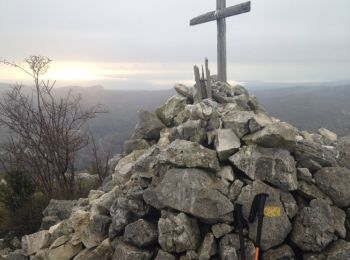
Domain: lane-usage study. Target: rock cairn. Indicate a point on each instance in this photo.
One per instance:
(172, 194)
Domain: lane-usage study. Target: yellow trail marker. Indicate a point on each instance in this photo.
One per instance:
(272, 212)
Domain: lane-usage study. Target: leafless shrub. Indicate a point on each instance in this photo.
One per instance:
(46, 131)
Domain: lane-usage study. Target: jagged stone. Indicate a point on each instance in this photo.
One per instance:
(102, 252)
(281, 253)
(221, 229)
(148, 127)
(60, 208)
(126, 210)
(208, 247)
(273, 165)
(124, 251)
(178, 233)
(96, 231)
(339, 250)
(171, 109)
(135, 144)
(102, 205)
(203, 110)
(193, 191)
(339, 222)
(314, 227)
(330, 136)
(164, 256)
(141, 233)
(289, 203)
(34, 242)
(184, 91)
(311, 191)
(275, 228)
(191, 130)
(335, 182)
(94, 194)
(303, 174)
(123, 170)
(314, 156)
(65, 251)
(238, 121)
(226, 143)
(344, 151)
(60, 241)
(226, 172)
(275, 135)
(229, 248)
(188, 154)
(78, 221)
(48, 222)
(235, 190)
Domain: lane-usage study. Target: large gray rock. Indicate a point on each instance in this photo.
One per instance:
(238, 121)
(135, 144)
(344, 151)
(339, 222)
(229, 248)
(184, 91)
(314, 156)
(221, 229)
(204, 110)
(311, 191)
(188, 154)
(168, 112)
(191, 130)
(34, 242)
(335, 182)
(226, 143)
(124, 251)
(178, 233)
(102, 252)
(275, 166)
(275, 227)
(60, 208)
(96, 231)
(141, 233)
(124, 211)
(193, 191)
(65, 251)
(148, 127)
(329, 136)
(208, 247)
(275, 135)
(313, 228)
(281, 253)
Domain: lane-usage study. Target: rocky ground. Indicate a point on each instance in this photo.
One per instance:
(172, 194)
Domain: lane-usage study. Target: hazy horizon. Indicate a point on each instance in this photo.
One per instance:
(102, 43)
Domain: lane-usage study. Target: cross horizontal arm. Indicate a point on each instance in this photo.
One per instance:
(229, 11)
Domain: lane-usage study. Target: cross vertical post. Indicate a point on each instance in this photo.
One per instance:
(220, 15)
(221, 44)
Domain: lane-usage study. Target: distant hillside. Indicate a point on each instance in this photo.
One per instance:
(310, 108)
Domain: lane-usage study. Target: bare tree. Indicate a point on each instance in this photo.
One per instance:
(100, 159)
(47, 130)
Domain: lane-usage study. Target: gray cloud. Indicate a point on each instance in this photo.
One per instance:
(289, 32)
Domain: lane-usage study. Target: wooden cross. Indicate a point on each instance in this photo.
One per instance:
(219, 15)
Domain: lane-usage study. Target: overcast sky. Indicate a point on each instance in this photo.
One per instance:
(145, 43)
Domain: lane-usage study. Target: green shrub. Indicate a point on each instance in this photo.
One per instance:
(16, 190)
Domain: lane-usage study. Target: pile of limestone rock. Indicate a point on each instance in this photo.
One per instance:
(172, 194)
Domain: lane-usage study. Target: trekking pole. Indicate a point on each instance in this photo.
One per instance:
(241, 223)
(257, 209)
